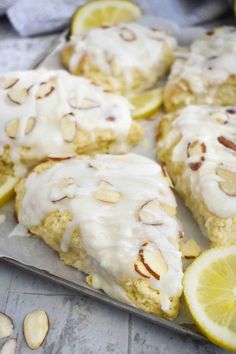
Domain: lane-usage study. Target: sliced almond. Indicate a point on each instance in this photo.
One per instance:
(88, 103)
(9, 347)
(36, 326)
(153, 260)
(219, 117)
(31, 122)
(44, 90)
(166, 175)
(190, 249)
(106, 193)
(227, 143)
(68, 128)
(228, 182)
(140, 269)
(127, 35)
(12, 128)
(6, 325)
(7, 83)
(63, 189)
(196, 148)
(62, 156)
(149, 213)
(18, 96)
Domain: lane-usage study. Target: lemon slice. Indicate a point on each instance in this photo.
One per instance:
(146, 103)
(103, 13)
(7, 184)
(210, 292)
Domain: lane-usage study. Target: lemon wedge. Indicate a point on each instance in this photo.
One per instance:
(146, 103)
(103, 13)
(7, 184)
(210, 293)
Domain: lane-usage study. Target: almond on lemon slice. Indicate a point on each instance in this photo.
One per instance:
(17, 95)
(228, 182)
(68, 128)
(153, 260)
(6, 326)
(36, 326)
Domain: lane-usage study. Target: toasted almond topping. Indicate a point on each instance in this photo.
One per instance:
(6, 325)
(220, 117)
(228, 182)
(12, 127)
(190, 249)
(153, 260)
(68, 128)
(149, 213)
(62, 156)
(166, 175)
(106, 193)
(196, 148)
(9, 347)
(18, 96)
(63, 189)
(31, 122)
(227, 143)
(45, 89)
(140, 269)
(36, 326)
(127, 35)
(88, 103)
(7, 83)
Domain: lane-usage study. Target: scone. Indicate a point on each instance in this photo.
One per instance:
(206, 74)
(112, 217)
(198, 145)
(52, 114)
(126, 58)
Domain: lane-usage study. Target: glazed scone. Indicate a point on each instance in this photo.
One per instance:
(112, 217)
(206, 74)
(126, 58)
(55, 114)
(198, 146)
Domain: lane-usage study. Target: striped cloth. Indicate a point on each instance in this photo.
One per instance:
(32, 17)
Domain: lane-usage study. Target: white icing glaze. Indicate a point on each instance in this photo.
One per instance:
(144, 50)
(201, 123)
(210, 61)
(112, 233)
(46, 137)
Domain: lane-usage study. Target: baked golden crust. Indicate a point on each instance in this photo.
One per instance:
(220, 230)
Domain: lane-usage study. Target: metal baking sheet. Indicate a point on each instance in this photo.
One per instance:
(32, 255)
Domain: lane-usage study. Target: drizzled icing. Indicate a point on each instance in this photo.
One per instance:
(213, 129)
(46, 97)
(111, 232)
(127, 46)
(210, 61)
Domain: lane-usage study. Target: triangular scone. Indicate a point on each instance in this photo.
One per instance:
(48, 113)
(198, 145)
(112, 217)
(124, 58)
(206, 73)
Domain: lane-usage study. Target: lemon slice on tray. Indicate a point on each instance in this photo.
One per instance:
(210, 293)
(146, 103)
(98, 13)
(7, 184)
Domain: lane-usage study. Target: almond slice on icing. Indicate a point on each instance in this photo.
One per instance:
(220, 117)
(12, 127)
(68, 128)
(153, 260)
(17, 95)
(30, 124)
(45, 89)
(36, 326)
(149, 213)
(6, 326)
(228, 182)
(141, 270)
(166, 175)
(106, 193)
(9, 347)
(7, 83)
(62, 156)
(196, 148)
(127, 35)
(227, 143)
(88, 103)
(61, 190)
(190, 249)
(96, 165)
